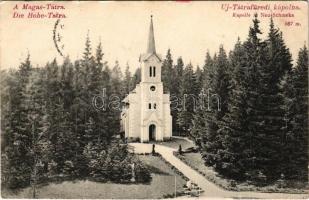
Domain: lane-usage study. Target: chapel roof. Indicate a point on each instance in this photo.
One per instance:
(151, 45)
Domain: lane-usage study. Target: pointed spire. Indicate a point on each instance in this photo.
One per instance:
(151, 47)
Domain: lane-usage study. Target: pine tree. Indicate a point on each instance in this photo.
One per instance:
(136, 78)
(167, 72)
(218, 98)
(116, 80)
(99, 56)
(255, 59)
(50, 123)
(189, 98)
(39, 134)
(18, 129)
(269, 113)
(127, 82)
(115, 96)
(207, 71)
(66, 83)
(199, 77)
(295, 159)
(85, 92)
(90, 130)
(239, 127)
(87, 53)
(279, 55)
(62, 140)
(109, 126)
(175, 95)
(179, 68)
(199, 122)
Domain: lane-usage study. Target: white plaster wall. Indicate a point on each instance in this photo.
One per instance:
(167, 117)
(151, 61)
(152, 116)
(139, 117)
(134, 111)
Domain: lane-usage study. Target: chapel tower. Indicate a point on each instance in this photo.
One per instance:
(147, 109)
(151, 61)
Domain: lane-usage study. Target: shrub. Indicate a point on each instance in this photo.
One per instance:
(115, 165)
(142, 173)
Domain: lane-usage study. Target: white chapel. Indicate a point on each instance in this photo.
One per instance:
(146, 113)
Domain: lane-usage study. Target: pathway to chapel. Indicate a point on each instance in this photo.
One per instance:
(210, 189)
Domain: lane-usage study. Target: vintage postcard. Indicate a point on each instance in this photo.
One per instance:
(152, 100)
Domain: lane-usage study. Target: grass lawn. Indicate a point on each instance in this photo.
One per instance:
(163, 182)
(195, 161)
(175, 142)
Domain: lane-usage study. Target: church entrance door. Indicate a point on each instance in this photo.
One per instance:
(152, 132)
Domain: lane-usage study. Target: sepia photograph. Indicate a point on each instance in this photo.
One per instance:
(154, 100)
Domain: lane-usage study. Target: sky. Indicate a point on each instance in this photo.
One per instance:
(189, 29)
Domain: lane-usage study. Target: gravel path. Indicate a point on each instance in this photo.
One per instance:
(210, 189)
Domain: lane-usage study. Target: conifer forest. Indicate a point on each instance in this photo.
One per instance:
(246, 110)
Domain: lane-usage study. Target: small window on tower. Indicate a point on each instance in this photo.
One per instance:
(150, 71)
(149, 105)
(154, 71)
(155, 106)
(152, 88)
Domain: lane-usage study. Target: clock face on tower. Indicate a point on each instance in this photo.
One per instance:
(152, 88)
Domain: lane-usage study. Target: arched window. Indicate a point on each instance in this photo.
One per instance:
(150, 71)
(149, 105)
(154, 71)
(154, 106)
